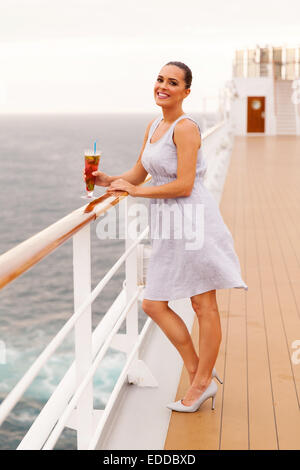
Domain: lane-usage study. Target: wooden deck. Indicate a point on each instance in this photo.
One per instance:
(258, 405)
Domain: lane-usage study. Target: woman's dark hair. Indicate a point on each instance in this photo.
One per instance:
(187, 72)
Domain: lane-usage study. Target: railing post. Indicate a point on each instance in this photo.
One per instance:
(131, 271)
(138, 372)
(83, 334)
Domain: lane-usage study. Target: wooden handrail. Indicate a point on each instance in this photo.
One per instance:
(19, 259)
(25, 255)
(213, 129)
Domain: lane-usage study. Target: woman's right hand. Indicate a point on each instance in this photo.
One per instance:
(102, 179)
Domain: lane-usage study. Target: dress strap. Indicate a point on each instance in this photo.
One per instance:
(184, 116)
(169, 133)
(187, 116)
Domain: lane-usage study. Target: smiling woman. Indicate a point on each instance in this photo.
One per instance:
(194, 254)
(177, 268)
(162, 92)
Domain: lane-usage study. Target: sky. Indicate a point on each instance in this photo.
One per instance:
(94, 56)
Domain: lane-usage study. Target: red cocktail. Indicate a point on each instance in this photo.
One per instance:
(91, 164)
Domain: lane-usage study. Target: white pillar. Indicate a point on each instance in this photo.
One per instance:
(131, 270)
(83, 334)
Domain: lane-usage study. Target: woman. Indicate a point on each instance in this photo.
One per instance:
(172, 154)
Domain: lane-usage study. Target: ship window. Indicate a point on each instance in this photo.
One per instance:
(256, 104)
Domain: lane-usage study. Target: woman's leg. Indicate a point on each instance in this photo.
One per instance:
(210, 336)
(175, 329)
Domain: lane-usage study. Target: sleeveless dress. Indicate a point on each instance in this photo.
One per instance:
(192, 248)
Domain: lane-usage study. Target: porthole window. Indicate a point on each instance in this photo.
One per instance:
(255, 104)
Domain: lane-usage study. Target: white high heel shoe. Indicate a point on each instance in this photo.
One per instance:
(209, 392)
(215, 374)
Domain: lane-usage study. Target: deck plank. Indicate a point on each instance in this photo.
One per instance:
(282, 324)
(261, 408)
(234, 431)
(258, 405)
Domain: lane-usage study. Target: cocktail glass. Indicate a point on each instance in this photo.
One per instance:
(91, 164)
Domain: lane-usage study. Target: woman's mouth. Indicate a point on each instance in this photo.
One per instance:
(162, 96)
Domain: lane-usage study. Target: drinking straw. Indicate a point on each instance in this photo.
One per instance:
(95, 147)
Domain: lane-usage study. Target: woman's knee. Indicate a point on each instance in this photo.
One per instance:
(206, 311)
(147, 306)
(205, 304)
(153, 307)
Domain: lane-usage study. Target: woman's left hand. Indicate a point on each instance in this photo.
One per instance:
(122, 185)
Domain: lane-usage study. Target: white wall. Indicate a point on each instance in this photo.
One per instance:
(297, 114)
(258, 86)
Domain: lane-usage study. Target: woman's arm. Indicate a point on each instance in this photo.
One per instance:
(188, 141)
(136, 174)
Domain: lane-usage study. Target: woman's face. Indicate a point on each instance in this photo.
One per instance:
(169, 88)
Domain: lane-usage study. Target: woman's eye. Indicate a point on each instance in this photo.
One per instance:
(172, 83)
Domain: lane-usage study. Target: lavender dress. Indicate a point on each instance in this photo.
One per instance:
(192, 248)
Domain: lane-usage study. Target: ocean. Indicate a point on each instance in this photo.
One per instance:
(41, 182)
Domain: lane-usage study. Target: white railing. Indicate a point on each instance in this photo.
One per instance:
(71, 404)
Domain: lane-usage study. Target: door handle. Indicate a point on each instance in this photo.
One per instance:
(263, 114)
